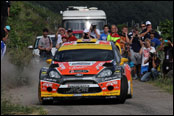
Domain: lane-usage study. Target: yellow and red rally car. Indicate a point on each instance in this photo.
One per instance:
(86, 69)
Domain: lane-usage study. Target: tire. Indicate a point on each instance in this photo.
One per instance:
(123, 91)
(41, 101)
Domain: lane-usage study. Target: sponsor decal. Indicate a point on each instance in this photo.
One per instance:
(99, 65)
(79, 75)
(61, 66)
(112, 83)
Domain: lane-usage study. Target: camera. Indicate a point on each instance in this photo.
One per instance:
(93, 27)
(152, 54)
(86, 36)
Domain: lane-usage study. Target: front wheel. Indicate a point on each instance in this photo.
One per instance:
(123, 90)
(41, 101)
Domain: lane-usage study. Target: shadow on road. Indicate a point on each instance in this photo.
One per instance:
(84, 102)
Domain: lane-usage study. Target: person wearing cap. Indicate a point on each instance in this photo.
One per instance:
(71, 37)
(4, 36)
(94, 32)
(146, 32)
(64, 39)
(113, 36)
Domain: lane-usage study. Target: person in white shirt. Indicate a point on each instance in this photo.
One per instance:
(94, 32)
(145, 52)
(60, 33)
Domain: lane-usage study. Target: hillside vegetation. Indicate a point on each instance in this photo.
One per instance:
(27, 21)
(119, 12)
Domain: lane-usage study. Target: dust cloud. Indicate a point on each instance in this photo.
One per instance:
(12, 77)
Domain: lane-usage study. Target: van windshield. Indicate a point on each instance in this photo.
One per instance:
(54, 40)
(82, 24)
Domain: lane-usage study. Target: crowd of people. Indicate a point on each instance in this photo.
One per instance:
(139, 46)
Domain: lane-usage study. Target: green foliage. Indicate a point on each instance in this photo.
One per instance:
(119, 12)
(7, 108)
(164, 83)
(27, 21)
(166, 28)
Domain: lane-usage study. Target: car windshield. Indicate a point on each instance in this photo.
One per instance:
(84, 55)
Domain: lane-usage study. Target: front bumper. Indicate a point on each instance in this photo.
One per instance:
(71, 87)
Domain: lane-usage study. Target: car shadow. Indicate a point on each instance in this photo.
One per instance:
(84, 102)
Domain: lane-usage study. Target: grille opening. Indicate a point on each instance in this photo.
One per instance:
(68, 90)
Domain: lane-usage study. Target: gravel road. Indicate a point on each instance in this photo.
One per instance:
(147, 100)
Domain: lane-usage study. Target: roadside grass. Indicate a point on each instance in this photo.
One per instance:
(164, 83)
(7, 108)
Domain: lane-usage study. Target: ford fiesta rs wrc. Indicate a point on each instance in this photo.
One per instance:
(86, 69)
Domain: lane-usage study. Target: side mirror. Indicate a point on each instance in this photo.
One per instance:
(49, 61)
(30, 47)
(118, 46)
(123, 60)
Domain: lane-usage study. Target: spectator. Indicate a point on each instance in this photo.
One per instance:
(86, 34)
(64, 39)
(146, 32)
(143, 27)
(154, 62)
(61, 32)
(94, 32)
(136, 44)
(4, 36)
(124, 37)
(71, 37)
(5, 12)
(127, 53)
(45, 45)
(156, 42)
(104, 35)
(145, 51)
(113, 36)
(167, 47)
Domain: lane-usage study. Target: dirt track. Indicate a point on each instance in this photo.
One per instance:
(147, 100)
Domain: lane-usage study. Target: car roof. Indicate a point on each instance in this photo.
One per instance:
(86, 44)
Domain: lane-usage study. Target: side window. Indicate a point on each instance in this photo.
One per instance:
(36, 43)
(54, 40)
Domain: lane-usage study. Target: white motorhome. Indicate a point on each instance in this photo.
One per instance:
(80, 18)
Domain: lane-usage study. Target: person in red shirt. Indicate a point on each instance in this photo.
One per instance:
(113, 36)
(71, 37)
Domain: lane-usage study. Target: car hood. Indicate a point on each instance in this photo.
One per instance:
(85, 67)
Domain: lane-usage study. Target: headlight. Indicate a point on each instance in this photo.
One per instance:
(54, 74)
(105, 73)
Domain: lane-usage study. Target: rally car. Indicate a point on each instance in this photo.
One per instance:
(86, 69)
